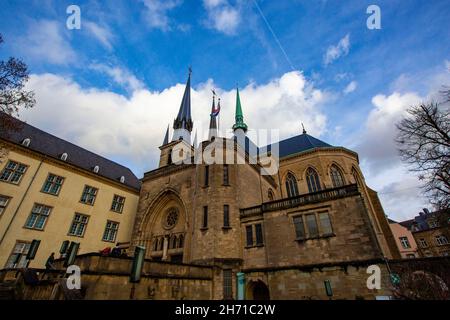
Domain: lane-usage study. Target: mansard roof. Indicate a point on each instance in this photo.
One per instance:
(49, 145)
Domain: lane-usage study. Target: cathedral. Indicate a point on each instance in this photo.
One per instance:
(231, 218)
(307, 230)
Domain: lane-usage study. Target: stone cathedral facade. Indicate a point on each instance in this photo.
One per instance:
(312, 227)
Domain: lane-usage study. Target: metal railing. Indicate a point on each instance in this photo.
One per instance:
(286, 203)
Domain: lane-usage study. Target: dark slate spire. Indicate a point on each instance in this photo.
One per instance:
(166, 137)
(182, 125)
(212, 121)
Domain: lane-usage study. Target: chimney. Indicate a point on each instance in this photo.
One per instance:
(426, 211)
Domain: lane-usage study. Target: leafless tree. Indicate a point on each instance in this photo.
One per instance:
(421, 285)
(13, 96)
(424, 144)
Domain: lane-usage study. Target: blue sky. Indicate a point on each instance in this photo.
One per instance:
(134, 55)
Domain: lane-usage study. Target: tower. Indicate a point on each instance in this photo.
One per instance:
(180, 145)
(239, 125)
(212, 121)
(182, 125)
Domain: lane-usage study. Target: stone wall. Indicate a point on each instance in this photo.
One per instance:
(348, 281)
(351, 238)
(107, 278)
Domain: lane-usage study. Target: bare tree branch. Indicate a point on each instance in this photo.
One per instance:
(423, 141)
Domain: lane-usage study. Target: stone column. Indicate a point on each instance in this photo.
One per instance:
(165, 248)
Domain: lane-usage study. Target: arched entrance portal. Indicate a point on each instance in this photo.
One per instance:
(163, 228)
(257, 290)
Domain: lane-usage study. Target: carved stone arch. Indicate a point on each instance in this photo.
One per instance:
(285, 175)
(358, 175)
(257, 290)
(165, 219)
(337, 164)
(158, 203)
(310, 166)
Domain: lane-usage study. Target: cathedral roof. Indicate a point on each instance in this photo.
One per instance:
(299, 143)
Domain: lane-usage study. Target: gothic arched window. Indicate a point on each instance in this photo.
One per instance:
(180, 241)
(291, 185)
(336, 176)
(173, 242)
(356, 177)
(312, 178)
(270, 195)
(161, 244)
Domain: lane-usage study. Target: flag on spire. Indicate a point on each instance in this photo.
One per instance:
(212, 121)
(215, 111)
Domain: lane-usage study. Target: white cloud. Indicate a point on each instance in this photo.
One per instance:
(130, 129)
(384, 171)
(157, 12)
(213, 3)
(340, 50)
(102, 34)
(44, 41)
(398, 188)
(350, 87)
(377, 144)
(222, 16)
(121, 76)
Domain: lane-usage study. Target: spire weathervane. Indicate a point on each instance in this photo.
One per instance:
(304, 131)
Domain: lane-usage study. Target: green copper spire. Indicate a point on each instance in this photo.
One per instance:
(239, 117)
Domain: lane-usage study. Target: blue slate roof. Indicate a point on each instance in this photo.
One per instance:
(54, 147)
(298, 144)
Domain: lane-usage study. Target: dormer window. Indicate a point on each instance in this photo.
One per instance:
(96, 169)
(26, 142)
(122, 179)
(64, 156)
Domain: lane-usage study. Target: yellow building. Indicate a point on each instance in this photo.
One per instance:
(54, 191)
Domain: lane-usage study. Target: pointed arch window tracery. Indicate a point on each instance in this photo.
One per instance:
(291, 185)
(336, 176)
(312, 179)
